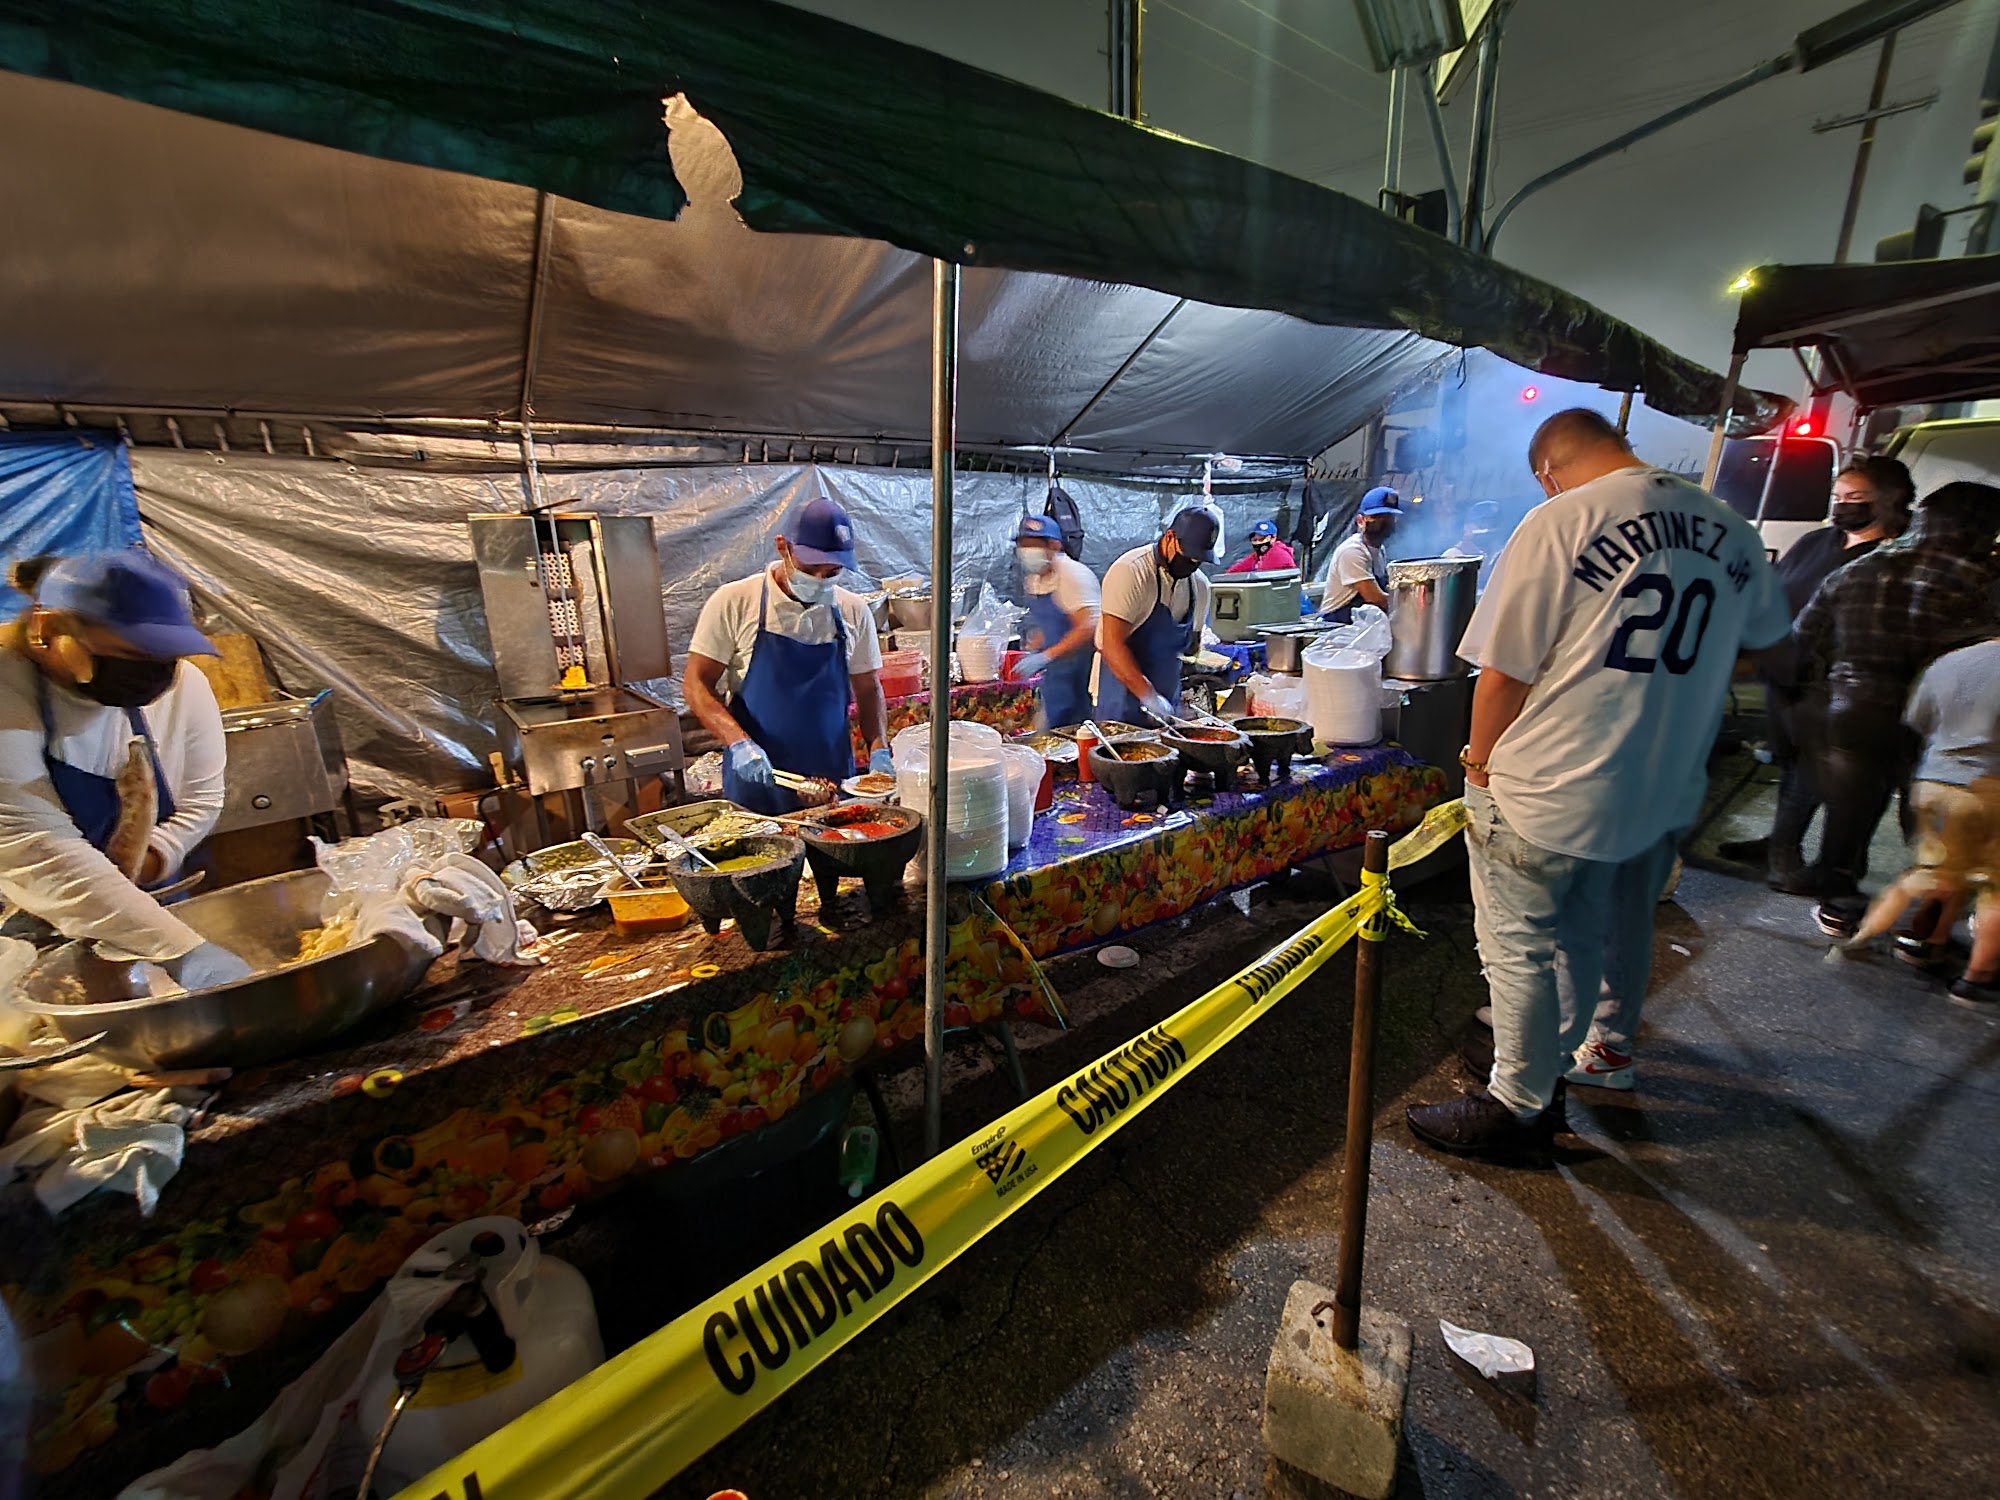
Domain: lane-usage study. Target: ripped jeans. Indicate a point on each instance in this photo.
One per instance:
(1568, 948)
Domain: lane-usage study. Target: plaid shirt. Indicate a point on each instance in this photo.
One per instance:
(1878, 622)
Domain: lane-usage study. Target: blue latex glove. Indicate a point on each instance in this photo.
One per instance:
(207, 967)
(1033, 664)
(1156, 705)
(748, 762)
(882, 762)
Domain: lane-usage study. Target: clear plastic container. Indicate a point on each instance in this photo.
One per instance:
(1025, 768)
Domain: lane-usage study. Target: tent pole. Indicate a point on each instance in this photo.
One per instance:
(1392, 150)
(1443, 146)
(1714, 464)
(944, 435)
(1624, 413)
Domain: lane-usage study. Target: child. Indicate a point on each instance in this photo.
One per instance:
(1956, 796)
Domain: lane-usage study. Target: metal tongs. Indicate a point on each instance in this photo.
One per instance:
(678, 845)
(1089, 727)
(623, 875)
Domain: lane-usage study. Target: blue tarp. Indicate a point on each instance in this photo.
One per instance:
(62, 492)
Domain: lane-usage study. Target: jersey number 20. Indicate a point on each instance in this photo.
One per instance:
(1680, 642)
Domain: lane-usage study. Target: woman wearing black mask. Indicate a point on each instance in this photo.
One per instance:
(111, 759)
(1871, 504)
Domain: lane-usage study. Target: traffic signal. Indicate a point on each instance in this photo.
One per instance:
(1924, 242)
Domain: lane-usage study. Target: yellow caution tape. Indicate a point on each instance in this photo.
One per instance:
(1440, 826)
(642, 1417)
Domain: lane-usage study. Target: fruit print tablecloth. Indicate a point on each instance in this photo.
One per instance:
(520, 1092)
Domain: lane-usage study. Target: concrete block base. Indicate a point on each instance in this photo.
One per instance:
(1336, 1415)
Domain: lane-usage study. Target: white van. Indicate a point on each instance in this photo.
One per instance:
(1784, 505)
(1940, 452)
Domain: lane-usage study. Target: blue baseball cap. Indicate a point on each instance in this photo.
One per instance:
(130, 593)
(1381, 501)
(1038, 529)
(1264, 528)
(821, 532)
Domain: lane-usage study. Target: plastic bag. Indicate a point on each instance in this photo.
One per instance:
(1488, 1353)
(1276, 695)
(364, 866)
(1368, 635)
(992, 615)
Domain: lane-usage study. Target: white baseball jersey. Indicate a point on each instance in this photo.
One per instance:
(1624, 602)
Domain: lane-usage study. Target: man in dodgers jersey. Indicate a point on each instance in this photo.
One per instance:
(1606, 642)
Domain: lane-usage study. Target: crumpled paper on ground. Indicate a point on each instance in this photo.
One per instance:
(131, 1142)
(1488, 1353)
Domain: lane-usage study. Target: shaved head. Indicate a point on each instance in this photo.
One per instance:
(1573, 435)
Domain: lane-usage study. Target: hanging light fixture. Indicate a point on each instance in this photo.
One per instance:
(1404, 33)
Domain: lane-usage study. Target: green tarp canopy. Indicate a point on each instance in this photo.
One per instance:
(838, 131)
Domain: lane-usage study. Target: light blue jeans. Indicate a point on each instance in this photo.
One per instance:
(1561, 938)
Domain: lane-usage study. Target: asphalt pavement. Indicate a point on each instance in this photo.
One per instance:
(1772, 1271)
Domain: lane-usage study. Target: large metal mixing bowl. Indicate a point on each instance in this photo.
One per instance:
(285, 1009)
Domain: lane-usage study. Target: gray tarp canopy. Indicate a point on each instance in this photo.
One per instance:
(154, 259)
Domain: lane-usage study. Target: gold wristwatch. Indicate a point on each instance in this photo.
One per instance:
(1477, 767)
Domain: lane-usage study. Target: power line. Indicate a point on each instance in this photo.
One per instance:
(1235, 41)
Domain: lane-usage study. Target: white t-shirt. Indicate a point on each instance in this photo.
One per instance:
(1625, 603)
(1074, 586)
(1354, 560)
(46, 868)
(726, 630)
(1135, 583)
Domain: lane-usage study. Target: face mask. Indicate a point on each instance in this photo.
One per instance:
(1262, 544)
(808, 589)
(1182, 567)
(1033, 560)
(1853, 515)
(121, 683)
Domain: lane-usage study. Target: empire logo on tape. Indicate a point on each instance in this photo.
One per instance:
(643, 1416)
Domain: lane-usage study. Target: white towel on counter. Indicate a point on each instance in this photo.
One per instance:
(131, 1142)
(471, 898)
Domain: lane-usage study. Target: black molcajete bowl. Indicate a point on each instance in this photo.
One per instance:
(753, 895)
(878, 863)
(1273, 743)
(1138, 785)
(1218, 757)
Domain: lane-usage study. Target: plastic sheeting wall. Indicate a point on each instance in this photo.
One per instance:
(62, 492)
(361, 579)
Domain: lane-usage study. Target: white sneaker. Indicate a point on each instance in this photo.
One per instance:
(1597, 1066)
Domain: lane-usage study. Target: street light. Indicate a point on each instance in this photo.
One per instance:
(1406, 33)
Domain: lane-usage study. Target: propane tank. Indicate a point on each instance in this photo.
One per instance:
(524, 1327)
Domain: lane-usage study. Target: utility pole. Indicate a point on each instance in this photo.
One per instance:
(1865, 149)
(1126, 20)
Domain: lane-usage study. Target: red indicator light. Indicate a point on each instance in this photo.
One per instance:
(1530, 392)
(1802, 428)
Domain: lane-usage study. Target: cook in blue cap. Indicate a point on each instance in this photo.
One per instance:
(1061, 629)
(1267, 554)
(1155, 604)
(1359, 570)
(777, 658)
(111, 759)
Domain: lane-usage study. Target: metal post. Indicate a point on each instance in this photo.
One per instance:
(1360, 1109)
(944, 440)
(1447, 178)
(1714, 464)
(1864, 150)
(1392, 153)
(1126, 19)
(1479, 153)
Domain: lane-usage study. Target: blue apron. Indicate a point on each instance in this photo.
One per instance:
(91, 800)
(1158, 642)
(793, 701)
(1066, 680)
